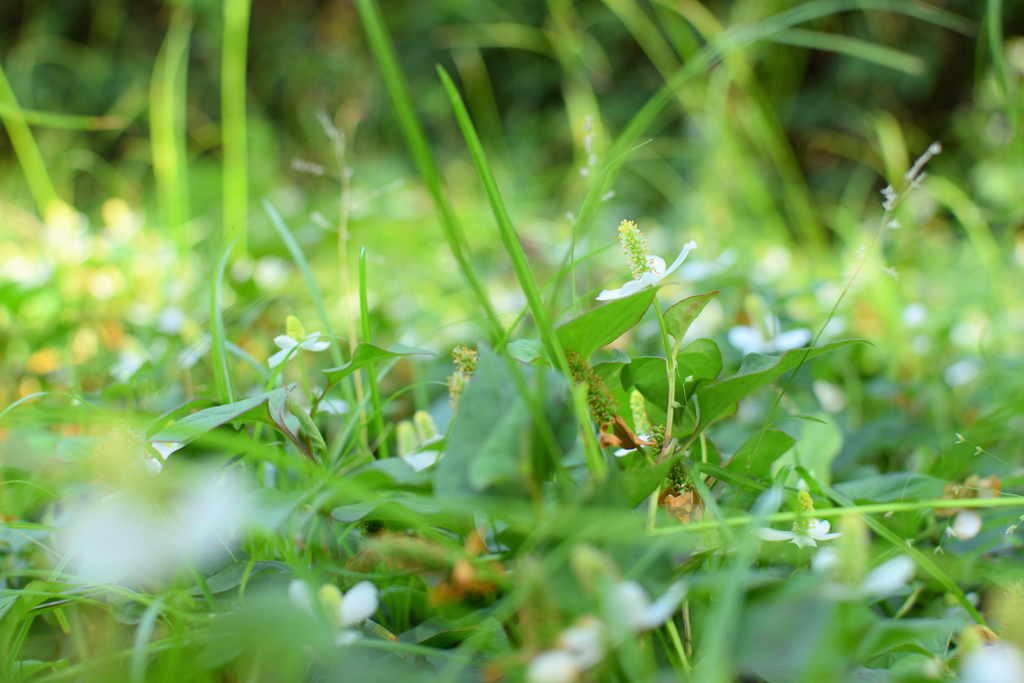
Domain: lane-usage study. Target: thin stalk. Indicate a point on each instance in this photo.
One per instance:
(371, 370)
(419, 149)
(670, 364)
(673, 634)
(233, 122)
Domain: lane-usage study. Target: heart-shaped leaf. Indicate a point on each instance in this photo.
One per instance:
(604, 324)
(758, 452)
(269, 408)
(701, 358)
(756, 371)
(680, 316)
(367, 354)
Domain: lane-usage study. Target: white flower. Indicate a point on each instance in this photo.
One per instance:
(649, 279)
(584, 640)
(966, 525)
(348, 609)
(751, 340)
(998, 663)
(882, 581)
(422, 459)
(817, 530)
(301, 596)
(554, 666)
(288, 345)
(640, 613)
(358, 604)
(165, 448)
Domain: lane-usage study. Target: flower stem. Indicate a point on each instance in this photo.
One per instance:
(305, 378)
(673, 633)
(670, 363)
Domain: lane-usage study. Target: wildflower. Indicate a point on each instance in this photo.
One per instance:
(965, 526)
(647, 270)
(296, 338)
(805, 532)
(640, 613)
(882, 581)
(414, 439)
(553, 666)
(751, 340)
(993, 663)
(350, 609)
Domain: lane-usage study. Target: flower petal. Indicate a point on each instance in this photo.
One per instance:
(768, 534)
(747, 339)
(622, 292)
(315, 346)
(966, 525)
(165, 448)
(792, 339)
(421, 459)
(657, 264)
(278, 358)
(818, 526)
(358, 604)
(585, 640)
(889, 577)
(632, 601)
(687, 248)
(553, 666)
(803, 540)
(662, 609)
(285, 342)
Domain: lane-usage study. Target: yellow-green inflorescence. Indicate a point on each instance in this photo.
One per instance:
(603, 406)
(641, 423)
(657, 435)
(294, 329)
(634, 246)
(806, 504)
(465, 365)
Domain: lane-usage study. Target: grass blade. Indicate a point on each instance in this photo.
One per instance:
(167, 121)
(508, 232)
(25, 148)
(416, 140)
(371, 370)
(853, 47)
(233, 124)
(221, 372)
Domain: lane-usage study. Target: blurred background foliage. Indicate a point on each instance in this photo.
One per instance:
(771, 160)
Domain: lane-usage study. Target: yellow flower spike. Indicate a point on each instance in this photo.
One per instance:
(641, 423)
(634, 246)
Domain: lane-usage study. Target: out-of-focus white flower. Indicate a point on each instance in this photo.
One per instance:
(127, 536)
(170, 320)
(914, 315)
(751, 340)
(817, 530)
(553, 666)
(997, 663)
(300, 595)
(965, 526)
(640, 613)
(648, 270)
(882, 581)
(962, 372)
(165, 448)
(585, 640)
(128, 363)
(349, 609)
(271, 273)
(831, 397)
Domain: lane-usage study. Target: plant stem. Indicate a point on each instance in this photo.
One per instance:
(670, 364)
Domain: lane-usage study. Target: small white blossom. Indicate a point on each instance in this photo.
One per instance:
(651, 278)
(289, 345)
(996, 663)
(750, 339)
(553, 666)
(817, 530)
(640, 613)
(965, 526)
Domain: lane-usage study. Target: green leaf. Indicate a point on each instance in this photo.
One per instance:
(770, 446)
(367, 354)
(892, 486)
(27, 668)
(387, 507)
(736, 479)
(604, 324)
(641, 482)
(78, 448)
(527, 351)
(218, 338)
(680, 316)
(494, 423)
(693, 562)
(756, 371)
(701, 358)
(269, 408)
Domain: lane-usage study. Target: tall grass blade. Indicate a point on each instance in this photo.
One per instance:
(508, 232)
(233, 124)
(416, 140)
(167, 122)
(32, 164)
(221, 371)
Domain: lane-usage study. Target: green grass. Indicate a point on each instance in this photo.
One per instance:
(169, 517)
